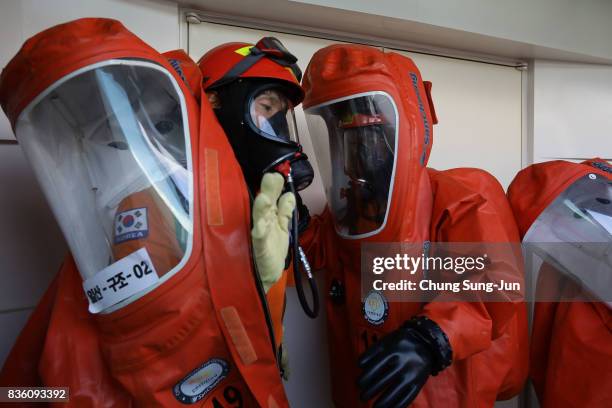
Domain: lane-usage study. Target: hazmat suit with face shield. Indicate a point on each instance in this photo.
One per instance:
(564, 214)
(371, 119)
(159, 303)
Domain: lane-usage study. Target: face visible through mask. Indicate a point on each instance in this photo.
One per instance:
(272, 113)
(367, 155)
(368, 163)
(258, 119)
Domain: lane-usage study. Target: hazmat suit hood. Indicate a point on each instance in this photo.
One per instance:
(572, 313)
(386, 94)
(534, 188)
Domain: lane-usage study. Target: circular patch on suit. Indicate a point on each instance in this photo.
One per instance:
(375, 308)
(128, 220)
(201, 381)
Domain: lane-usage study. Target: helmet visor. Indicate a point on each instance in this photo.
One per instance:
(574, 234)
(270, 114)
(109, 145)
(355, 140)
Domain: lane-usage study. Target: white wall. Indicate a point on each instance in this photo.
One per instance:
(565, 30)
(574, 26)
(479, 115)
(572, 115)
(31, 244)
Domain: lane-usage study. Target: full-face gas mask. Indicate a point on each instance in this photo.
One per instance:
(258, 88)
(263, 133)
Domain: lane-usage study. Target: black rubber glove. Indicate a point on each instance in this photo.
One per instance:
(398, 366)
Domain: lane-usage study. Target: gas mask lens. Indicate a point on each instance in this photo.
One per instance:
(271, 115)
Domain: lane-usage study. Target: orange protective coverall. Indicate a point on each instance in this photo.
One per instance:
(571, 342)
(488, 340)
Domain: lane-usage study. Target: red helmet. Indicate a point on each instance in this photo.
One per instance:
(266, 59)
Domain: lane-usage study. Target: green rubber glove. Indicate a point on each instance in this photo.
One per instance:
(270, 232)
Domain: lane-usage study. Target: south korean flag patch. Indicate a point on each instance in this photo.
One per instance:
(131, 224)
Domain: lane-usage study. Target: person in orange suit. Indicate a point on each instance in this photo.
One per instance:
(159, 302)
(371, 119)
(254, 89)
(563, 211)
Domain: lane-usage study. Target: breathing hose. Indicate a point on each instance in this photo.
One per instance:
(300, 257)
